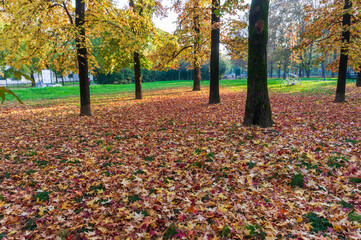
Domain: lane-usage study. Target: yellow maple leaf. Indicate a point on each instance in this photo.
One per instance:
(91, 203)
(247, 232)
(309, 226)
(41, 211)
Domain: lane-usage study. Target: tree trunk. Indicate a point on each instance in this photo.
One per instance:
(82, 56)
(358, 80)
(342, 70)
(33, 84)
(334, 59)
(285, 70)
(323, 68)
(197, 79)
(197, 65)
(137, 76)
(258, 109)
(279, 72)
(62, 79)
(214, 81)
(271, 70)
(309, 62)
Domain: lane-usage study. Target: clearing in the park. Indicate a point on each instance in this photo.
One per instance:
(172, 166)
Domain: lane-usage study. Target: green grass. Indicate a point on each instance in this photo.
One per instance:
(72, 91)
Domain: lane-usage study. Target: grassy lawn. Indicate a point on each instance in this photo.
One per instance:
(50, 93)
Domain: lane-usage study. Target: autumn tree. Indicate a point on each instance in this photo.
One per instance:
(47, 31)
(334, 27)
(128, 38)
(214, 67)
(258, 109)
(82, 55)
(193, 32)
(342, 70)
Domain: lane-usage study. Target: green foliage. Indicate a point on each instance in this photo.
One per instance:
(319, 224)
(336, 162)
(355, 180)
(251, 165)
(346, 204)
(170, 232)
(256, 232)
(30, 225)
(133, 198)
(354, 217)
(297, 181)
(4, 90)
(226, 232)
(41, 196)
(97, 188)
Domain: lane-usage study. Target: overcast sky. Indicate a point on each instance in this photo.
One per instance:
(167, 24)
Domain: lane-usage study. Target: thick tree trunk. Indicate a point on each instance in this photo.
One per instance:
(62, 79)
(342, 70)
(82, 56)
(258, 109)
(214, 81)
(279, 72)
(197, 79)
(358, 80)
(137, 76)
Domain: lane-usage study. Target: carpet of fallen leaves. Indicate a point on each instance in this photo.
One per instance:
(172, 166)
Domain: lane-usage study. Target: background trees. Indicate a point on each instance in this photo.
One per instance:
(193, 32)
(38, 35)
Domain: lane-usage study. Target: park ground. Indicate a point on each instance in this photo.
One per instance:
(171, 166)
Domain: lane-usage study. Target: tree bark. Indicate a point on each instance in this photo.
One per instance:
(62, 79)
(197, 79)
(258, 109)
(323, 68)
(285, 67)
(33, 84)
(342, 70)
(82, 56)
(334, 58)
(358, 80)
(137, 76)
(197, 66)
(214, 81)
(137, 65)
(271, 70)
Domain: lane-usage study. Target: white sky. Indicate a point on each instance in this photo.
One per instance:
(167, 24)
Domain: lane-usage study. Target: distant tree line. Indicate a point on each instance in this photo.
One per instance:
(126, 75)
